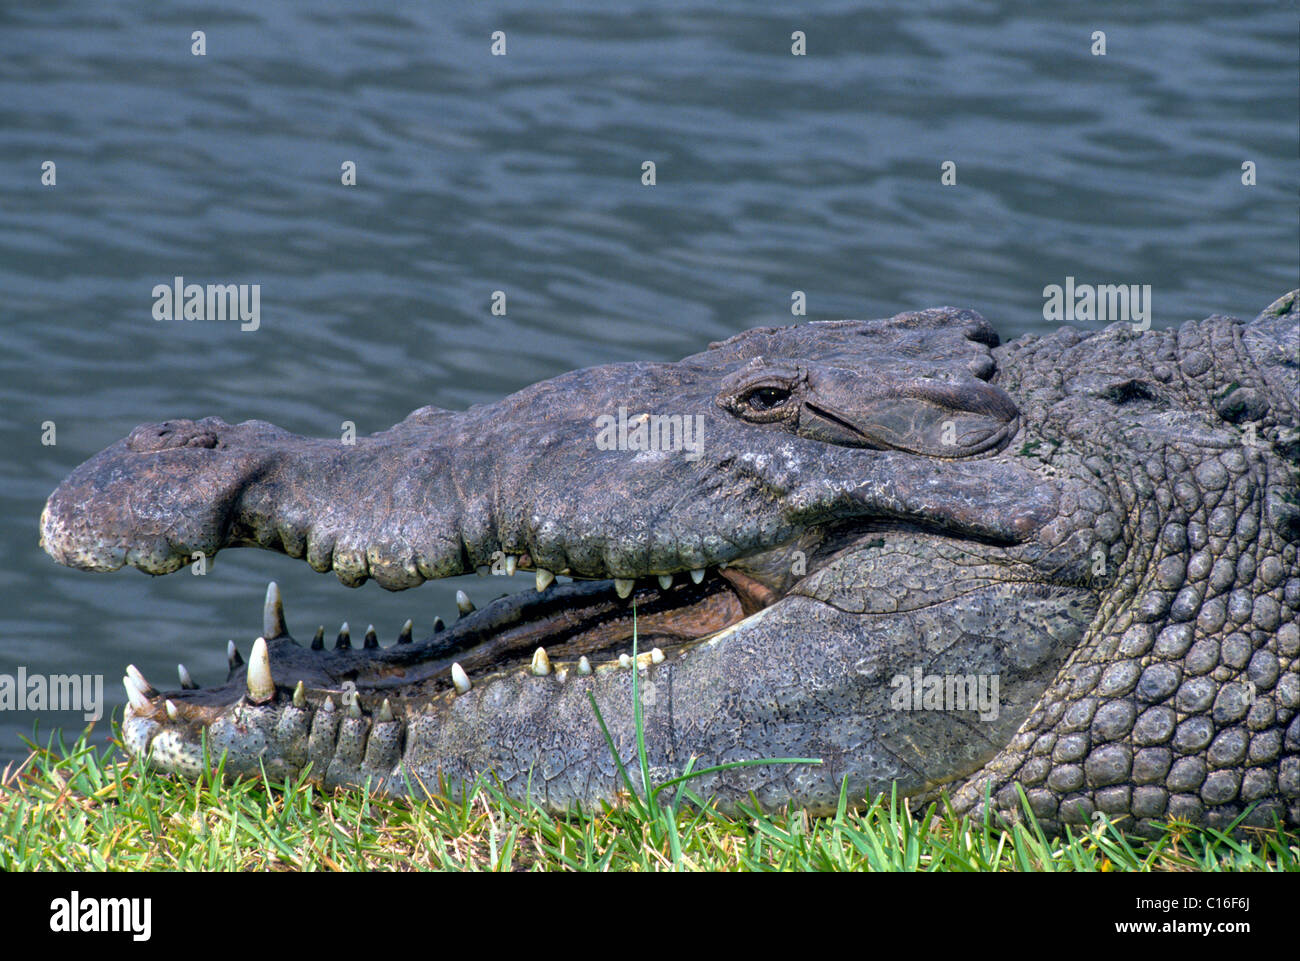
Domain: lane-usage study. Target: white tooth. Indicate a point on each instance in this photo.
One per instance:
(722, 565)
(584, 665)
(562, 675)
(385, 712)
(171, 710)
(665, 581)
(656, 656)
(232, 655)
(541, 662)
(544, 579)
(463, 603)
(299, 695)
(187, 682)
(135, 696)
(643, 661)
(512, 565)
(697, 575)
(354, 705)
(459, 678)
(135, 675)
(624, 661)
(623, 586)
(260, 686)
(273, 613)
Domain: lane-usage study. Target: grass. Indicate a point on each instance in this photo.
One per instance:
(84, 808)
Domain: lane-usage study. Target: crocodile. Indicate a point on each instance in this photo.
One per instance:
(1057, 574)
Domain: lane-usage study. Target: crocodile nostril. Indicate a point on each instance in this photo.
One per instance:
(982, 366)
(169, 435)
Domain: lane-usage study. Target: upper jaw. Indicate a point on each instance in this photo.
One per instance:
(442, 492)
(401, 509)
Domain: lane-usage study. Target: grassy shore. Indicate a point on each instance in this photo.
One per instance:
(80, 807)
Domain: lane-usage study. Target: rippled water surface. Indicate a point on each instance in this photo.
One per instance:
(522, 173)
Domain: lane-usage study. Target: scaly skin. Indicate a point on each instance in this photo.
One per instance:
(1084, 518)
(1182, 700)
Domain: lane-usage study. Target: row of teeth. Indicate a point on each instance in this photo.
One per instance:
(623, 585)
(541, 667)
(261, 688)
(343, 641)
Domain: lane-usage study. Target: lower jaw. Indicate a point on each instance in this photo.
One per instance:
(509, 716)
(199, 726)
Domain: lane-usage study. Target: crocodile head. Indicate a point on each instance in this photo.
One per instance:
(840, 541)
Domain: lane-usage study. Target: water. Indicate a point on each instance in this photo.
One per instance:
(522, 173)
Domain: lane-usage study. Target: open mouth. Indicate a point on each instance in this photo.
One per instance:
(590, 621)
(581, 627)
(570, 626)
(758, 648)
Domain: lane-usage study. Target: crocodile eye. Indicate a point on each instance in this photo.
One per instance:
(763, 393)
(765, 398)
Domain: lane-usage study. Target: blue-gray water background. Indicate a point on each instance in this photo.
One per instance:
(522, 173)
